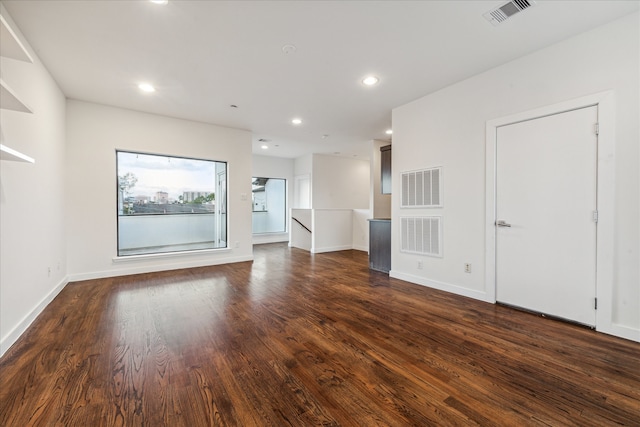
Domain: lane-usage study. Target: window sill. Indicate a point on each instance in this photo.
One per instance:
(168, 255)
(267, 233)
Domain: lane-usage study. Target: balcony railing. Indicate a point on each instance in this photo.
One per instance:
(148, 234)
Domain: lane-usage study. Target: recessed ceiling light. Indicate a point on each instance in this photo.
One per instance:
(296, 121)
(159, 1)
(370, 80)
(146, 87)
(288, 48)
(388, 131)
(264, 147)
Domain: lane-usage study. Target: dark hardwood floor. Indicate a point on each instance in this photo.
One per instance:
(295, 339)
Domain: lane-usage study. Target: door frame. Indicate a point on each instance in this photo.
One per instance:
(222, 207)
(605, 198)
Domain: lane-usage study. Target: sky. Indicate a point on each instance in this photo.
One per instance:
(169, 174)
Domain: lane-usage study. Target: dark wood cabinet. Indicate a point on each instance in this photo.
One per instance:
(385, 169)
(380, 244)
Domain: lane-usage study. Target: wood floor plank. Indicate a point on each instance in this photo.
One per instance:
(295, 339)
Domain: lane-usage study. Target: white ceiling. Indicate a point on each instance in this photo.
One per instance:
(203, 56)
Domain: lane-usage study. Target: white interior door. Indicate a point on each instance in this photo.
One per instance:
(545, 202)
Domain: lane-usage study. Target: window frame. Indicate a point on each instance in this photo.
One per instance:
(223, 203)
(285, 207)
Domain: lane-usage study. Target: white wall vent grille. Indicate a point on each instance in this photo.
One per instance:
(507, 10)
(422, 189)
(421, 235)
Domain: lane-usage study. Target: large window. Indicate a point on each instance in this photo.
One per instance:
(269, 199)
(170, 204)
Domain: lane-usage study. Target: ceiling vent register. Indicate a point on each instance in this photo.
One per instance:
(507, 10)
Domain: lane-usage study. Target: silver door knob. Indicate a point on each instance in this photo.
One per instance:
(502, 223)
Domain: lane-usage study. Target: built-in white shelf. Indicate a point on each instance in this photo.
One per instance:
(12, 47)
(10, 44)
(10, 154)
(10, 101)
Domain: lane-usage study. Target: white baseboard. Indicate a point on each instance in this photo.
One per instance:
(331, 249)
(454, 289)
(614, 329)
(339, 248)
(259, 239)
(157, 267)
(13, 335)
(621, 331)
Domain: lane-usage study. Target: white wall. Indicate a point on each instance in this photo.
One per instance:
(332, 230)
(447, 129)
(340, 194)
(31, 197)
(300, 237)
(303, 165)
(360, 226)
(339, 183)
(94, 132)
(303, 171)
(275, 167)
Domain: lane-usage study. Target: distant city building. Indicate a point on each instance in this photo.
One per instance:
(162, 197)
(142, 199)
(190, 196)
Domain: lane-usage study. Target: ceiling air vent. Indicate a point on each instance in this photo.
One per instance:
(507, 10)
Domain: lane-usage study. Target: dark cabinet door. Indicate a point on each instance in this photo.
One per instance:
(380, 245)
(385, 166)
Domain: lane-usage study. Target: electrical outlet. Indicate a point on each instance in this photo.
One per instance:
(48, 271)
(237, 244)
(419, 265)
(467, 268)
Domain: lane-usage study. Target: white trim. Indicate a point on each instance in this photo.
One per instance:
(261, 238)
(13, 335)
(623, 331)
(332, 209)
(165, 255)
(362, 248)
(331, 249)
(10, 154)
(447, 287)
(606, 202)
(150, 268)
(605, 269)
